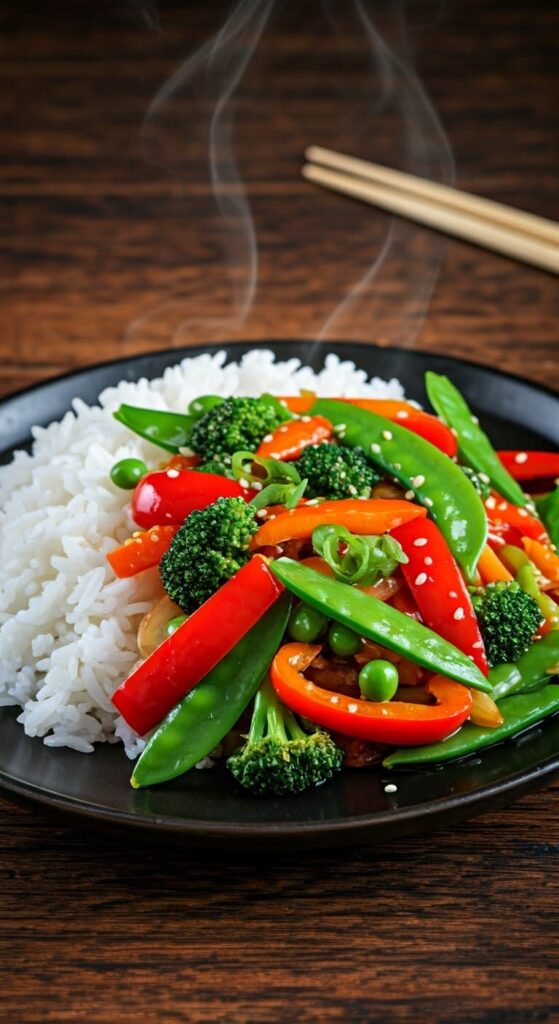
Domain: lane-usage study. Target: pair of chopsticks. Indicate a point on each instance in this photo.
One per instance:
(514, 233)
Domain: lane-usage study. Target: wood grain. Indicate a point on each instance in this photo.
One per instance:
(106, 254)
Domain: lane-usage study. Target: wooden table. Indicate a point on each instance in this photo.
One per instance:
(107, 254)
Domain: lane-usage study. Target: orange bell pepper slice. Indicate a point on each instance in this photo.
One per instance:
(142, 550)
(396, 722)
(543, 558)
(490, 567)
(287, 441)
(368, 517)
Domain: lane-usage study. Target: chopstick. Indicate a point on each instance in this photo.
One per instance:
(515, 233)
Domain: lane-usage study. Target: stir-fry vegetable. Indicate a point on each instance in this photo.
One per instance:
(335, 472)
(548, 508)
(438, 483)
(532, 670)
(356, 559)
(169, 496)
(530, 465)
(169, 430)
(372, 516)
(290, 439)
(141, 551)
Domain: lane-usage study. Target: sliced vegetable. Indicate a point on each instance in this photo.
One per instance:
(142, 550)
(200, 721)
(530, 465)
(490, 567)
(367, 516)
(169, 430)
(437, 481)
(484, 711)
(437, 585)
(532, 670)
(181, 661)
(152, 630)
(473, 443)
(502, 513)
(526, 576)
(382, 722)
(378, 621)
(356, 559)
(287, 441)
(169, 496)
(276, 483)
(548, 509)
(519, 713)
(543, 558)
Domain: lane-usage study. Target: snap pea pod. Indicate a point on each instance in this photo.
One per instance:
(534, 668)
(526, 577)
(169, 430)
(378, 621)
(473, 443)
(519, 713)
(200, 721)
(438, 483)
(548, 509)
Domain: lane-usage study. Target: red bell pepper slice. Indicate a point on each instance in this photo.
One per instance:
(288, 440)
(501, 513)
(181, 661)
(394, 722)
(141, 551)
(530, 465)
(438, 587)
(170, 495)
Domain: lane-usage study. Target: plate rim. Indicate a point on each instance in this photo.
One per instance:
(421, 814)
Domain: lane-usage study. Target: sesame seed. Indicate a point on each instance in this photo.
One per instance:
(522, 512)
(427, 502)
(309, 687)
(502, 506)
(261, 514)
(314, 501)
(352, 489)
(421, 579)
(454, 431)
(452, 593)
(268, 437)
(339, 428)
(397, 465)
(283, 402)
(282, 430)
(491, 503)
(390, 788)
(428, 560)
(459, 614)
(128, 541)
(352, 708)
(420, 542)
(474, 419)
(402, 414)
(173, 473)
(521, 457)
(243, 482)
(417, 481)
(334, 700)
(484, 478)
(256, 485)
(409, 495)
(387, 434)
(478, 645)
(305, 419)
(375, 448)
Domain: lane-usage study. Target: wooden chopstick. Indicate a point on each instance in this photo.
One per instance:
(514, 233)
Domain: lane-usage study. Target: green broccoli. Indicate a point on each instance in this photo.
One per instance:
(508, 619)
(237, 424)
(334, 472)
(479, 480)
(214, 466)
(279, 757)
(208, 549)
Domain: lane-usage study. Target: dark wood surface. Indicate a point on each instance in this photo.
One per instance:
(106, 253)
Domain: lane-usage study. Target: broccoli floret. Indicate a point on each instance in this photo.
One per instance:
(279, 757)
(208, 549)
(237, 424)
(334, 472)
(479, 481)
(508, 619)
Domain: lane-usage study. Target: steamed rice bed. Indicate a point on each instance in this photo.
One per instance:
(67, 627)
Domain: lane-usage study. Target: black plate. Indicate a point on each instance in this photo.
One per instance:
(205, 807)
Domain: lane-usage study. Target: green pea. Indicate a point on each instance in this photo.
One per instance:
(174, 624)
(201, 405)
(127, 472)
(306, 624)
(378, 680)
(343, 641)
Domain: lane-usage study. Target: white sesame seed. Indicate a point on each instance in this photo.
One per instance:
(375, 448)
(352, 489)
(305, 419)
(474, 419)
(244, 482)
(340, 428)
(454, 431)
(397, 465)
(402, 414)
(418, 480)
(261, 513)
(427, 502)
(282, 430)
(352, 708)
(309, 687)
(421, 579)
(314, 501)
(334, 700)
(521, 457)
(459, 614)
(268, 437)
(390, 788)
(409, 495)
(387, 434)
(256, 485)
(428, 560)
(522, 512)
(452, 593)
(478, 645)
(491, 503)
(173, 473)
(420, 542)
(502, 506)
(484, 478)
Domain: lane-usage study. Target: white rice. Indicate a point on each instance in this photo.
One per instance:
(67, 626)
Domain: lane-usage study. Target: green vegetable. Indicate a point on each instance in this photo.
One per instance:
(539, 663)
(378, 621)
(343, 642)
(279, 757)
(203, 404)
(200, 721)
(437, 481)
(174, 624)
(519, 712)
(215, 467)
(209, 548)
(306, 625)
(127, 472)
(508, 618)
(479, 481)
(234, 425)
(169, 430)
(364, 560)
(334, 472)
(280, 482)
(548, 509)
(378, 680)
(527, 578)
(473, 443)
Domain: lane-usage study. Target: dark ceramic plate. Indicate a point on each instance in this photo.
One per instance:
(205, 807)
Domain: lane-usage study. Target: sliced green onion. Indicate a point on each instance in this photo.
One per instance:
(356, 559)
